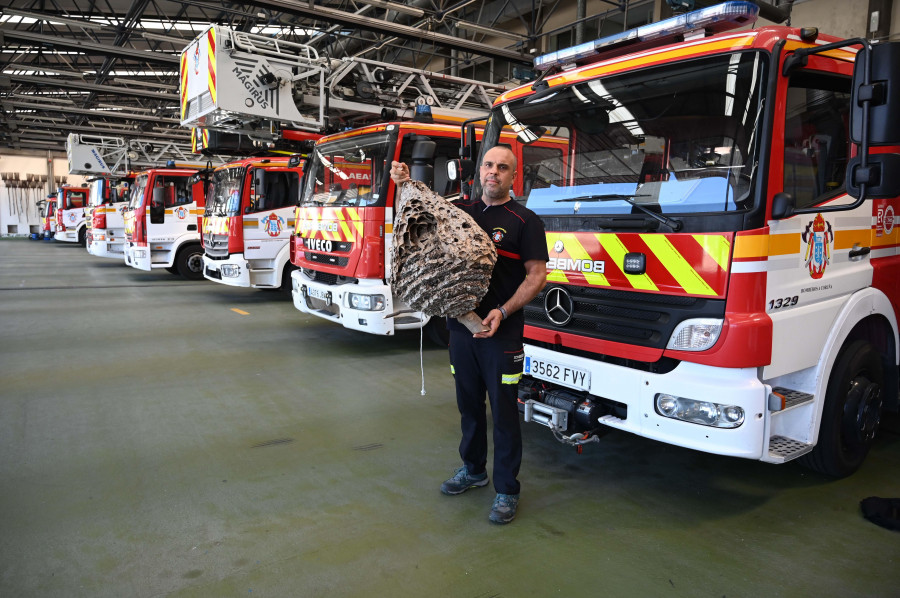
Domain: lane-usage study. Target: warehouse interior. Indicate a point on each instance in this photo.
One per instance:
(170, 437)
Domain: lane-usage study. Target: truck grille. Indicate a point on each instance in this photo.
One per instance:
(327, 278)
(643, 319)
(215, 245)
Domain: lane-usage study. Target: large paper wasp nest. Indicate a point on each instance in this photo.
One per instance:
(441, 259)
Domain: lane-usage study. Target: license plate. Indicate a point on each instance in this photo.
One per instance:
(317, 293)
(557, 372)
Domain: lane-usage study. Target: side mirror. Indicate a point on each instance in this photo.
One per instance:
(782, 206)
(881, 176)
(877, 100)
(422, 166)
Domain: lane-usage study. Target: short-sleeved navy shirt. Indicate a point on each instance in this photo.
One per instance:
(518, 236)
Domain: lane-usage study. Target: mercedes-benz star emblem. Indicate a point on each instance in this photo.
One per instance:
(559, 306)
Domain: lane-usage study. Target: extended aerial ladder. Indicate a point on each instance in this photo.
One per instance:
(260, 86)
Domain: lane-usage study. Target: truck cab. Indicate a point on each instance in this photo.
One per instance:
(107, 200)
(162, 222)
(722, 258)
(249, 221)
(70, 215)
(345, 220)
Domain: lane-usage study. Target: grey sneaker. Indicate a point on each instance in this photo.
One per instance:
(504, 509)
(462, 481)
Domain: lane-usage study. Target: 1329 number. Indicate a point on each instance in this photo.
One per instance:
(785, 302)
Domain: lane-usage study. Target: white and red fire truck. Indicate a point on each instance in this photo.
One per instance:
(70, 221)
(107, 200)
(345, 220)
(48, 218)
(249, 222)
(162, 222)
(723, 249)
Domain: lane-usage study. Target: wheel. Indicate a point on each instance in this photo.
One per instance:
(82, 237)
(189, 262)
(852, 411)
(286, 277)
(172, 269)
(436, 328)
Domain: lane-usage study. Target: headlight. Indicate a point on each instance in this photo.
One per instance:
(366, 302)
(699, 412)
(230, 271)
(695, 335)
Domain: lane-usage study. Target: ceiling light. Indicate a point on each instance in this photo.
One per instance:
(53, 19)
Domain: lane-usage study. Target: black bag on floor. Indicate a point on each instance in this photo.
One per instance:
(882, 511)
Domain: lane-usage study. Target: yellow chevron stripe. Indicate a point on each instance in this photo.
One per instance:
(613, 245)
(212, 65)
(677, 266)
(577, 252)
(717, 247)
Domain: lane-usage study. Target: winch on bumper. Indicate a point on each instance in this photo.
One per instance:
(715, 410)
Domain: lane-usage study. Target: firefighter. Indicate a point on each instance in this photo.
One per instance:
(491, 361)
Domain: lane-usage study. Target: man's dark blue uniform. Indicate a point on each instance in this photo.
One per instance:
(494, 365)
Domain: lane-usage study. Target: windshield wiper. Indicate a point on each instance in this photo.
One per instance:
(675, 225)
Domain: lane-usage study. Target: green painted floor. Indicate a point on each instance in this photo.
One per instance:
(155, 442)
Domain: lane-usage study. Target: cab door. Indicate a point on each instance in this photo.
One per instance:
(818, 258)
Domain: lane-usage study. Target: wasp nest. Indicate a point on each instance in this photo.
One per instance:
(441, 260)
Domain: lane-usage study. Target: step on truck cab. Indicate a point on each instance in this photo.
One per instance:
(70, 219)
(722, 239)
(249, 221)
(162, 222)
(108, 199)
(345, 221)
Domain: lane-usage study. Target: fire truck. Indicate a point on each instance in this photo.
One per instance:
(162, 222)
(345, 220)
(109, 163)
(107, 201)
(249, 221)
(70, 220)
(47, 209)
(722, 238)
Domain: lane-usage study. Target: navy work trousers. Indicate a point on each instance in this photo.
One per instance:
(493, 366)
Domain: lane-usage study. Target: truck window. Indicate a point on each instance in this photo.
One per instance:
(541, 167)
(281, 190)
(178, 189)
(447, 149)
(816, 140)
(77, 199)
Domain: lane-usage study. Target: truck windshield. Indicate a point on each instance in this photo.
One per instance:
(137, 192)
(674, 140)
(349, 172)
(224, 195)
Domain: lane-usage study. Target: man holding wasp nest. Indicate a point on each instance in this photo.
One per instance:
(491, 361)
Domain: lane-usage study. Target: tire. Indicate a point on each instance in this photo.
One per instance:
(286, 278)
(852, 411)
(436, 328)
(172, 269)
(189, 262)
(82, 237)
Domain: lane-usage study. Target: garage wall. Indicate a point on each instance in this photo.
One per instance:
(18, 210)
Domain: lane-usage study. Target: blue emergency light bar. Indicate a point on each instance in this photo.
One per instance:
(714, 19)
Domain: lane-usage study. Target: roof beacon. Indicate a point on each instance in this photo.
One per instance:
(713, 19)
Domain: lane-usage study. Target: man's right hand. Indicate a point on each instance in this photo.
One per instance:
(399, 172)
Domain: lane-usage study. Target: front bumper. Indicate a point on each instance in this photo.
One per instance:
(332, 302)
(219, 270)
(637, 390)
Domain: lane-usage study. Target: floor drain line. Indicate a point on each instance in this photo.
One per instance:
(274, 442)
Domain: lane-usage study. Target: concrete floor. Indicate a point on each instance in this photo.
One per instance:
(154, 441)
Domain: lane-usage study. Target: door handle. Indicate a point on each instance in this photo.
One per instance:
(859, 252)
